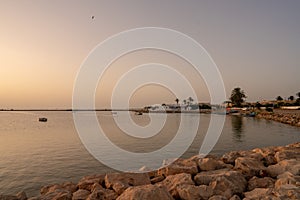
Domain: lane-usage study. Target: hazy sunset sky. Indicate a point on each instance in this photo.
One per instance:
(255, 45)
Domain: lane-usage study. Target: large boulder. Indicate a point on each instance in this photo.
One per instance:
(173, 181)
(192, 192)
(145, 192)
(250, 167)
(188, 166)
(119, 182)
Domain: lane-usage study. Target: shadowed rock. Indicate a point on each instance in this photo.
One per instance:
(145, 192)
(173, 181)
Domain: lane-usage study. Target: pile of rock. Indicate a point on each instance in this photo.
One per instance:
(262, 173)
(286, 118)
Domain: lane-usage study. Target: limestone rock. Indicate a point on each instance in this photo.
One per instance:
(292, 166)
(179, 166)
(235, 197)
(80, 194)
(209, 164)
(230, 157)
(67, 187)
(217, 197)
(192, 192)
(258, 193)
(21, 195)
(86, 182)
(145, 192)
(222, 186)
(157, 179)
(100, 193)
(256, 182)
(173, 181)
(249, 166)
(119, 182)
(8, 197)
(288, 191)
(288, 154)
(236, 179)
(204, 178)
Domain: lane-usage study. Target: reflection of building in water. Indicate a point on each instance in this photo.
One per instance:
(237, 127)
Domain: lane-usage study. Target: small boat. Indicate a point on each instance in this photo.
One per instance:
(43, 119)
(138, 113)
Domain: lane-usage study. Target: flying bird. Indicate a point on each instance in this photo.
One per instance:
(93, 17)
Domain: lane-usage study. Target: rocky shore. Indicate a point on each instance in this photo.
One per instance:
(286, 117)
(271, 173)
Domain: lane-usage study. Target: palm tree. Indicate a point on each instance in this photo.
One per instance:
(191, 100)
(237, 96)
(184, 101)
(291, 98)
(177, 100)
(279, 98)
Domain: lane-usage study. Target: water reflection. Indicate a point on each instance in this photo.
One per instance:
(237, 128)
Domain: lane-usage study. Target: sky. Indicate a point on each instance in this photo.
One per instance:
(43, 44)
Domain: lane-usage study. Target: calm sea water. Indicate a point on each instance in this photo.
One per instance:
(34, 154)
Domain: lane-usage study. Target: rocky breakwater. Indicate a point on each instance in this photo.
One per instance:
(271, 173)
(283, 117)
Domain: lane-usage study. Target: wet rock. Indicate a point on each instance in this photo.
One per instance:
(179, 166)
(192, 192)
(250, 166)
(256, 182)
(209, 164)
(119, 182)
(173, 181)
(145, 192)
(88, 181)
(80, 194)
